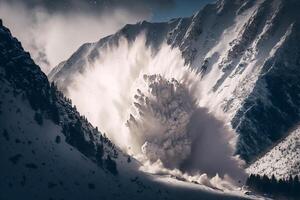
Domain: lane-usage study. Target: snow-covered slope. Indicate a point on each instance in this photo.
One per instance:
(49, 151)
(283, 160)
(246, 54)
(38, 163)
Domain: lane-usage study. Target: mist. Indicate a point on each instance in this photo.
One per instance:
(52, 36)
(148, 103)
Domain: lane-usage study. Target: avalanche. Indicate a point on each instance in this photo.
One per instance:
(147, 102)
(47, 154)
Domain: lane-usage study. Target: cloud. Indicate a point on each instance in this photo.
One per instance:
(95, 7)
(52, 33)
(52, 30)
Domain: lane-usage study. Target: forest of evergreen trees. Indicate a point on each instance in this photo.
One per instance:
(285, 188)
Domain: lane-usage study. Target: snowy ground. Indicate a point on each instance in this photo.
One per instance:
(35, 165)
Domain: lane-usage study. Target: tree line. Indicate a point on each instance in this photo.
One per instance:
(288, 188)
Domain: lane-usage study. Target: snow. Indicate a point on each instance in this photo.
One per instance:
(282, 160)
(228, 44)
(163, 111)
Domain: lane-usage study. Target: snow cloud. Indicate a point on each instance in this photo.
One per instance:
(147, 102)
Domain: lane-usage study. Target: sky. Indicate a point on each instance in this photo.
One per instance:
(180, 8)
(51, 30)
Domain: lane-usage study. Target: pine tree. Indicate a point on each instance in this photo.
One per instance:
(273, 184)
(111, 165)
(99, 155)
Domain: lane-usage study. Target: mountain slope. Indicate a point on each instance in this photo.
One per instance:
(273, 106)
(281, 161)
(246, 54)
(49, 151)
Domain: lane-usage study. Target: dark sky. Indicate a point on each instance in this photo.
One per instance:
(180, 8)
(160, 10)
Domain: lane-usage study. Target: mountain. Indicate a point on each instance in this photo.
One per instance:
(281, 161)
(246, 53)
(50, 151)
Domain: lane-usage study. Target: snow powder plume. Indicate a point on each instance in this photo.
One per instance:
(147, 102)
